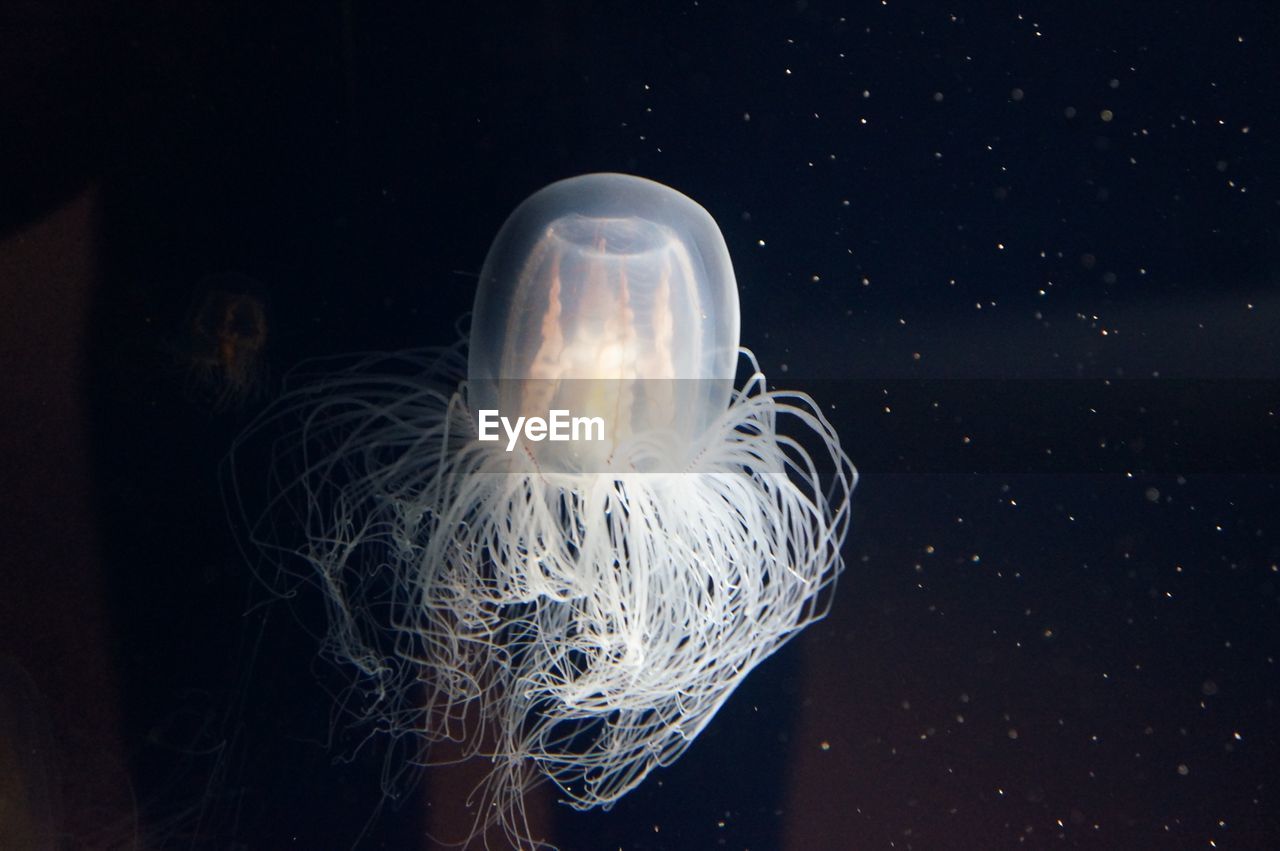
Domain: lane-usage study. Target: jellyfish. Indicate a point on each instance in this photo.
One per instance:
(575, 610)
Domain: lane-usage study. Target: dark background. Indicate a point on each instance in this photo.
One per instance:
(953, 225)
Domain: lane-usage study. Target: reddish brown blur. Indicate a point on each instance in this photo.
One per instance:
(53, 622)
(451, 808)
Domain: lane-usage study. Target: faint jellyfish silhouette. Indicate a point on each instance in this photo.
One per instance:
(223, 343)
(574, 610)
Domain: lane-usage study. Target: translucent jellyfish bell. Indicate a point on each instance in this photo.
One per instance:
(608, 296)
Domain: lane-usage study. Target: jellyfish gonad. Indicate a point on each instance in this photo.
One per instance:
(573, 610)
